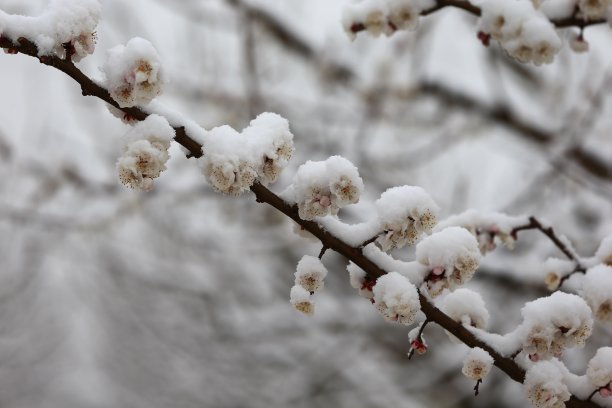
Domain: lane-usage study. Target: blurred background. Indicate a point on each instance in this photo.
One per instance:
(179, 297)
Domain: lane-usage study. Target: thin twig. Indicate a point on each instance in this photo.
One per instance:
(563, 247)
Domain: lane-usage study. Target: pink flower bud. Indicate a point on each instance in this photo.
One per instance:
(605, 391)
(418, 346)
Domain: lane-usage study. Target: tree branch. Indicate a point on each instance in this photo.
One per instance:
(264, 195)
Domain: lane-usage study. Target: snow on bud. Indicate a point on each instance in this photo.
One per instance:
(465, 307)
(310, 273)
(226, 169)
(524, 32)
(451, 255)
(604, 252)
(599, 370)
(269, 139)
(301, 300)
(396, 298)
(360, 281)
(555, 270)
(323, 187)
(134, 74)
(552, 324)
(490, 228)
(544, 385)
(145, 153)
(577, 42)
(404, 214)
(66, 27)
(477, 364)
(597, 291)
(593, 9)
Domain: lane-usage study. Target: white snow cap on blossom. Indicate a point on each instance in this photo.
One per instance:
(544, 385)
(477, 364)
(232, 161)
(396, 298)
(451, 256)
(466, 307)
(556, 9)
(301, 300)
(404, 214)
(599, 370)
(604, 252)
(597, 291)
(524, 32)
(65, 25)
(134, 74)
(489, 228)
(145, 153)
(359, 281)
(577, 42)
(323, 187)
(270, 140)
(594, 9)
(554, 323)
(310, 273)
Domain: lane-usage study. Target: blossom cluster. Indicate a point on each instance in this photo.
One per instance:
(490, 229)
(232, 161)
(451, 257)
(405, 213)
(522, 30)
(597, 291)
(323, 187)
(383, 16)
(396, 298)
(145, 153)
(66, 29)
(465, 307)
(134, 74)
(599, 371)
(477, 364)
(544, 385)
(552, 324)
(309, 277)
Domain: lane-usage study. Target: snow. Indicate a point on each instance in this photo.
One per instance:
(413, 271)
(555, 270)
(489, 228)
(466, 307)
(300, 298)
(321, 188)
(524, 32)
(134, 73)
(451, 257)
(232, 161)
(145, 153)
(396, 298)
(63, 22)
(604, 252)
(544, 385)
(310, 273)
(404, 214)
(599, 370)
(477, 364)
(551, 324)
(357, 278)
(597, 291)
